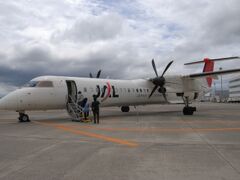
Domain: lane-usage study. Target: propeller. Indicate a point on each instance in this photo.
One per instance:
(98, 74)
(159, 81)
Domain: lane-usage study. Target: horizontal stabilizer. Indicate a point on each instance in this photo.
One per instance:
(215, 73)
(216, 59)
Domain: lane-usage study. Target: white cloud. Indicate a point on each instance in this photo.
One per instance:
(6, 88)
(120, 37)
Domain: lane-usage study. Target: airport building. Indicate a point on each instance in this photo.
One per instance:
(234, 90)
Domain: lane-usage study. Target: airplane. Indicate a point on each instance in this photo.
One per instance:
(61, 92)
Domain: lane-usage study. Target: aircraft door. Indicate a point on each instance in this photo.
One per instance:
(72, 91)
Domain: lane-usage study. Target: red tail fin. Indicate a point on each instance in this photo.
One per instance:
(208, 67)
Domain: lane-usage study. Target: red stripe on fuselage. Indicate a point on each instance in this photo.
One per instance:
(108, 91)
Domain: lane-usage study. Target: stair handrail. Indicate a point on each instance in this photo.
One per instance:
(75, 103)
(74, 112)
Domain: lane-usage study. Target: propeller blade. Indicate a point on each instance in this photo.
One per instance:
(165, 97)
(99, 73)
(154, 67)
(90, 75)
(169, 64)
(162, 90)
(154, 89)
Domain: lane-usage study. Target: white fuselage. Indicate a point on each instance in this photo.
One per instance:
(110, 92)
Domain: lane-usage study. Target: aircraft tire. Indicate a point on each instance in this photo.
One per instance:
(188, 110)
(24, 118)
(125, 109)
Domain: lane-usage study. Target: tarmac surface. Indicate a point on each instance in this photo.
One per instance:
(149, 143)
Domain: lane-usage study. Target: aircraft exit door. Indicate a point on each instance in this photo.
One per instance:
(72, 91)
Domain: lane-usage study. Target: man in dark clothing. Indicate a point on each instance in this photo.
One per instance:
(95, 109)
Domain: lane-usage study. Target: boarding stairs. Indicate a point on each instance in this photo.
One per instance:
(74, 110)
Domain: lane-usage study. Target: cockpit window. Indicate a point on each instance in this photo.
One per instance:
(39, 84)
(31, 84)
(45, 84)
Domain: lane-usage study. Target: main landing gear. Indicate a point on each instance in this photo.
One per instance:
(125, 108)
(23, 117)
(188, 110)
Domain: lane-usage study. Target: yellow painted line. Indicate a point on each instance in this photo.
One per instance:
(98, 136)
(8, 122)
(160, 129)
(210, 122)
(93, 135)
(217, 129)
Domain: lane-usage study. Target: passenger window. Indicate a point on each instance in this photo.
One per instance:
(91, 89)
(45, 84)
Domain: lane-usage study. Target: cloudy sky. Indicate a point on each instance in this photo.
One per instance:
(75, 37)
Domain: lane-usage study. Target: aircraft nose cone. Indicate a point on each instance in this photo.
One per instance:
(2, 104)
(9, 102)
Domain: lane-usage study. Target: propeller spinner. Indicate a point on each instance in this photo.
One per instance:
(159, 81)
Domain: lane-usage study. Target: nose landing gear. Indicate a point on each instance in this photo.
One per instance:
(23, 117)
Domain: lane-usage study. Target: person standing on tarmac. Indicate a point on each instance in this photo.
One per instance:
(86, 110)
(95, 109)
(79, 97)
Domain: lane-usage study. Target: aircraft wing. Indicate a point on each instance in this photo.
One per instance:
(213, 74)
